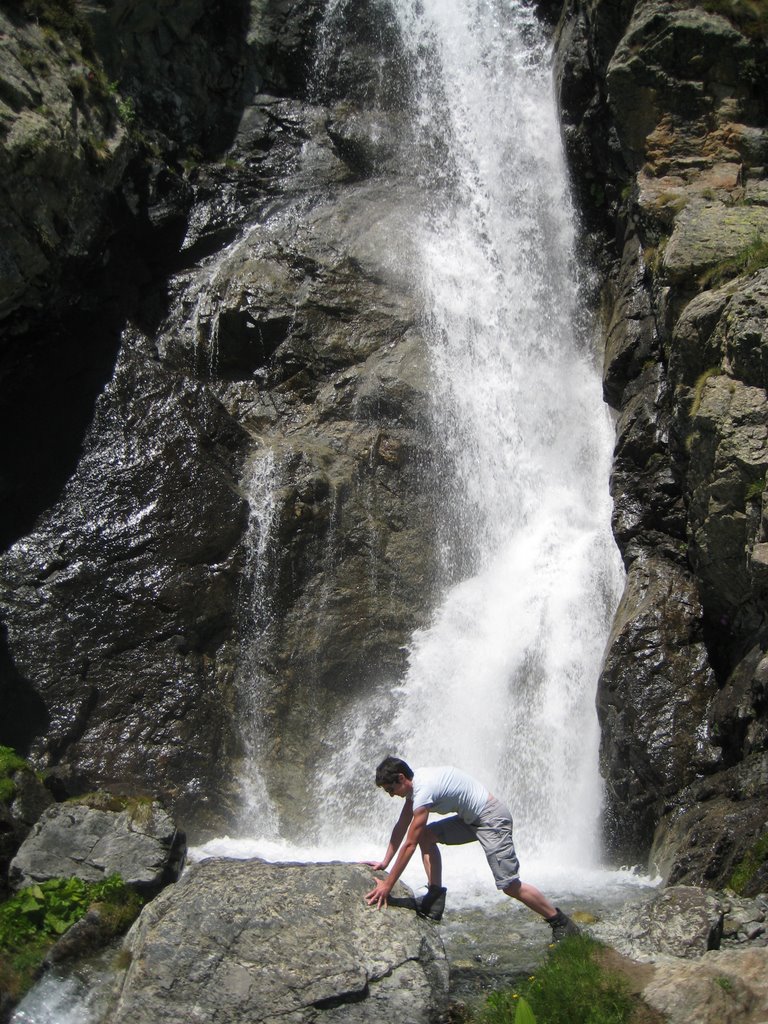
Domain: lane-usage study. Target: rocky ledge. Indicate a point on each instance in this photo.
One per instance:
(247, 940)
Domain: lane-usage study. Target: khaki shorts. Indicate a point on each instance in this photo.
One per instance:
(493, 830)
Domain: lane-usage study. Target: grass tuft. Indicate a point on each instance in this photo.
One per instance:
(753, 860)
(748, 16)
(10, 763)
(570, 988)
(753, 257)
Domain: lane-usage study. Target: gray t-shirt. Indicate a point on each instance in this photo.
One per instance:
(446, 790)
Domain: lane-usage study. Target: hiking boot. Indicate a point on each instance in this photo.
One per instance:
(562, 926)
(432, 903)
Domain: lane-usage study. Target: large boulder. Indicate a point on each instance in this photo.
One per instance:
(654, 697)
(681, 921)
(724, 987)
(136, 839)
(247, 940)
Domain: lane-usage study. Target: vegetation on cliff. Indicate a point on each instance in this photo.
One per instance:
(34, 919)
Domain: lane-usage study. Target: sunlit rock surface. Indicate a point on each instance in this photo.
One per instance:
(723, 987)
(246, 940)
(89, 840)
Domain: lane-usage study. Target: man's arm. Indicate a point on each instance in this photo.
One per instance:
(383, 887)
(401, 827)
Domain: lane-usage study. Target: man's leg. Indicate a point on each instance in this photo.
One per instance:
(561, 925)
(433, 861)
(452, 831)
(494, 831)
(531, 897)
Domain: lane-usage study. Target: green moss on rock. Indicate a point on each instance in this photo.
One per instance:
(745, 871)
(10, 763)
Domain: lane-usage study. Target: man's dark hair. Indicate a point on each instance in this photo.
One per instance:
(390, 770)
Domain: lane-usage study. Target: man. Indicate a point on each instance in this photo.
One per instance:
(478, 815)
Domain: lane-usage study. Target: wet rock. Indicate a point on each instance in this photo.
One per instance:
(250, 940)
(709, 830)
(681, 921)
(139, 842)
(670, 169)
(655, 691)
(631, 333)
(280, 329)
(159, 560)
(648, 508)
(726, 478)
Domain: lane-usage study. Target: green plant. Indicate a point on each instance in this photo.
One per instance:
(755, 490)
(63, 16)
(726, 984)
(32, 920)
(571, 988)
(523, 1012)
(698, 388)
(750, 16)
(751, 258)
(126, 110)
(10, 763)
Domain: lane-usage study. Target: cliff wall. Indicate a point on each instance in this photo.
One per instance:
(158, 356)
(664, 120)
(186, 383)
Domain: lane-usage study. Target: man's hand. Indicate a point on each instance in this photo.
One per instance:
(377, 865)
(379, 895)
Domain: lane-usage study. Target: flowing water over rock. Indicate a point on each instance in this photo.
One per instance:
(501, 680)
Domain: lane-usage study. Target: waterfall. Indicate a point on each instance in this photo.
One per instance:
(502, 681)
(259, 483)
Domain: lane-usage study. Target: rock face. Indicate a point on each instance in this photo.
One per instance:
(140, 843)
(210, 269)
(246, 940)
(663, 107)
(262, 388)
(722, 987)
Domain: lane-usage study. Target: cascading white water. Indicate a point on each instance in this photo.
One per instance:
(259, 484)
(502, 682)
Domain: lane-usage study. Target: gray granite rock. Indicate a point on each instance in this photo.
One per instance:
(247, 940)
(140, 843)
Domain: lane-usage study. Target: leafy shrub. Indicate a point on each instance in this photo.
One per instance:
(570, 988)
(33, 919)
